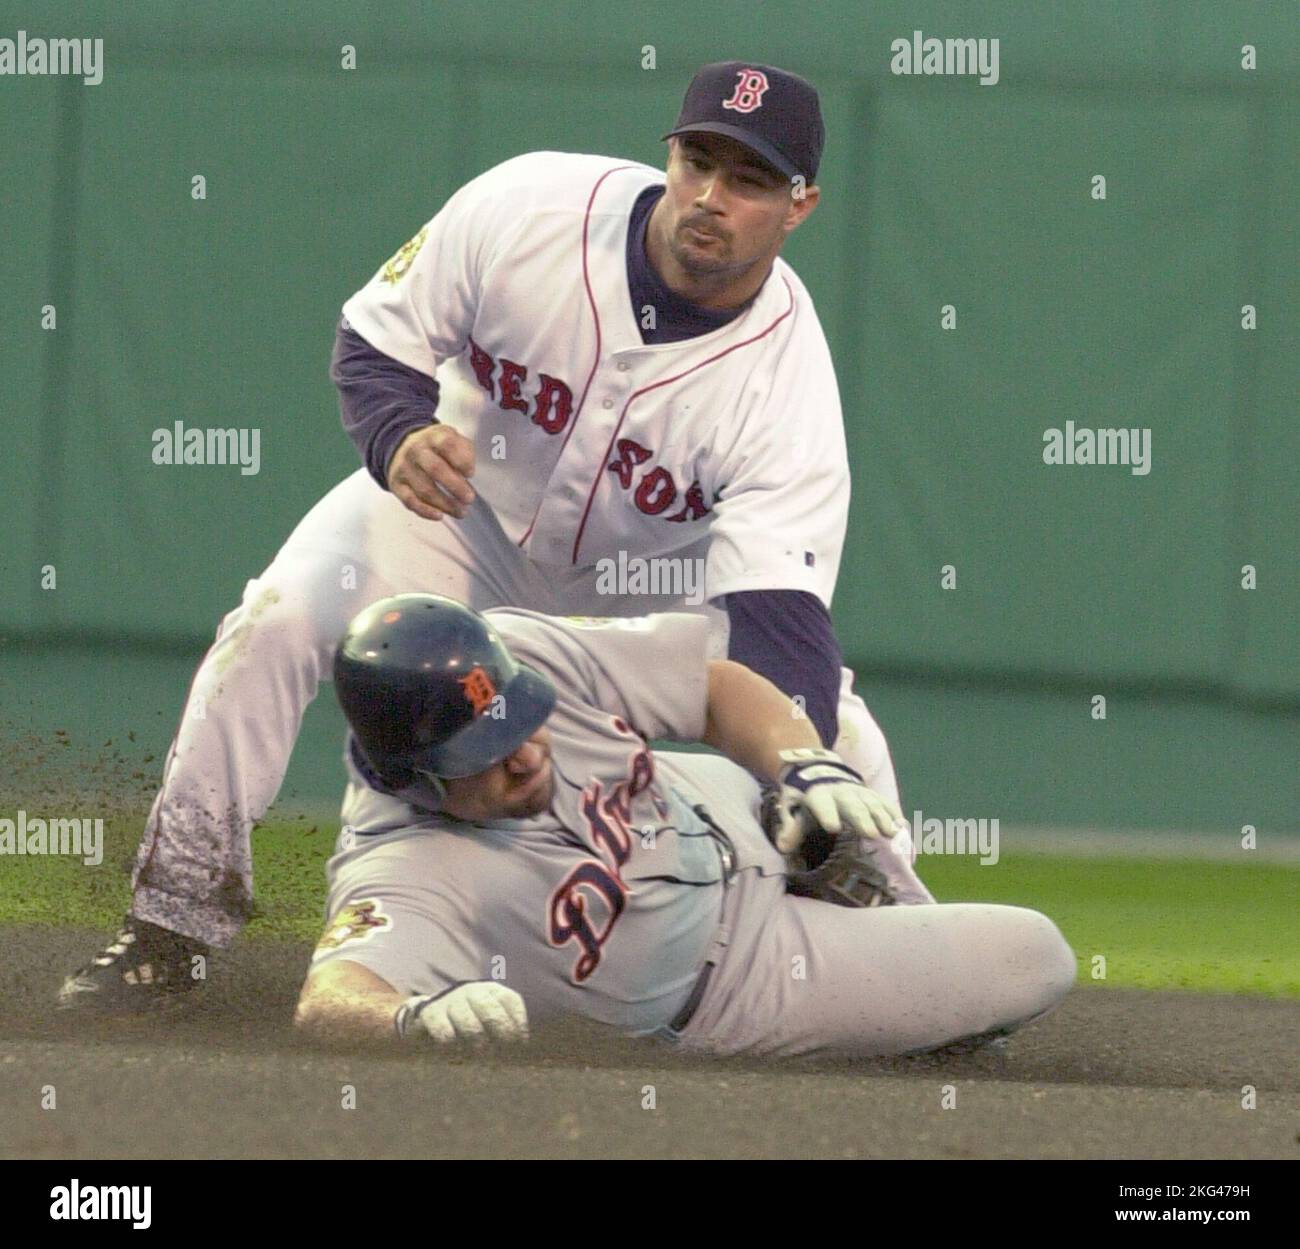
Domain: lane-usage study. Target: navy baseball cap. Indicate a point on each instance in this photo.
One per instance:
(773, 112)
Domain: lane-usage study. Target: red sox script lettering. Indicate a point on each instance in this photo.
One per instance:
(656, 491)
(550, 409)
(630, 454)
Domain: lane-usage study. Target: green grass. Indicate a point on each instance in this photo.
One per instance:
(1177, 924)
(1159, 924)
(288, 866)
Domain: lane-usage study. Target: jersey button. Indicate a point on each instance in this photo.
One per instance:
(623, 366)
(609, 403)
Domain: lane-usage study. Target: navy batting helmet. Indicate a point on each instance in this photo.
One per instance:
(430, 691)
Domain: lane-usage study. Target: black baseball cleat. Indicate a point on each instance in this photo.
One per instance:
(145, 968)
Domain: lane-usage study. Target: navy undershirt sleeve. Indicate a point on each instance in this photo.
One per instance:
(787, 637)
(381, 400)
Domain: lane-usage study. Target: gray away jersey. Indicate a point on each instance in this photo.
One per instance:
(604, 905)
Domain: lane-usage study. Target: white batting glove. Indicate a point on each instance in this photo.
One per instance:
(480, 1011)
(819, 790)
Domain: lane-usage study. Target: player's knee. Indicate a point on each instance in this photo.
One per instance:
(1062, 967)
(862, 745)
(281, 625)
(1047, 961)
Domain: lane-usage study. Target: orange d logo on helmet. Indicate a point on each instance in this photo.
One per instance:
(479, 690)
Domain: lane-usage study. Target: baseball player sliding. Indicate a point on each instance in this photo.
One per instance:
(579, 364)
(515, 851)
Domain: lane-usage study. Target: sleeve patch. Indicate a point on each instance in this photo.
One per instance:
(358, 921)
(404, 258)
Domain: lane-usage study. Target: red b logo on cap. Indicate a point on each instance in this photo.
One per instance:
(748, 94)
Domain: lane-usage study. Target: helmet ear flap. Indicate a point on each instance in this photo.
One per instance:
(435, 784)
(422, 789)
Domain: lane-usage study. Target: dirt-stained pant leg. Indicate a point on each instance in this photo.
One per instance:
(245, 705)
(800, 977)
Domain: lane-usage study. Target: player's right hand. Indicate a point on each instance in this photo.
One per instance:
(817, 789)
(481, 1011)
(430, 470)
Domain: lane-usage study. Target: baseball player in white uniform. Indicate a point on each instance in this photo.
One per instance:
(543, 861)
(584, 387)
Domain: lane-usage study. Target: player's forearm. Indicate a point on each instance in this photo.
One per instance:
(381, 400)
(751, 721)
(344, 1001)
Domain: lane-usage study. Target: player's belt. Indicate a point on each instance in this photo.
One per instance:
(727, 853)
(684, 1016)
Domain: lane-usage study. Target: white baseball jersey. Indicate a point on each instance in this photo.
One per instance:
(515, 295)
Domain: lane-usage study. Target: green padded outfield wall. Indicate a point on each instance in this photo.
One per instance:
(938, 191)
